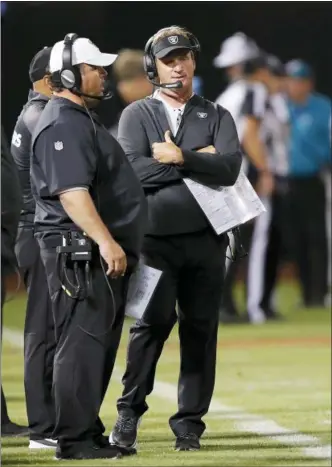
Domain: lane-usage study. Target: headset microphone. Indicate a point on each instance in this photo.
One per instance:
(103, 97)
(176, 85)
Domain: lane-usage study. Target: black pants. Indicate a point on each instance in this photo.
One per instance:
(306, 219)
(39, 337)
(277, 245)
(4, 411)
(86, 348)
(228, 305)
(269, 243)
(193, 271)
(266, 239)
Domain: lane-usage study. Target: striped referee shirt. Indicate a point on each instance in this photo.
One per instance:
(244, 99)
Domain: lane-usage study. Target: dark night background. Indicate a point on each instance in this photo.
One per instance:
(287, 29)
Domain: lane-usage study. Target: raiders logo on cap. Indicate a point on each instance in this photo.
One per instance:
(201, 114)
(173, 39)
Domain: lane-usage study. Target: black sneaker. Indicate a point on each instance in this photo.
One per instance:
(275, 317)
(90, 452)
(124, 433)
(272, 315)
(103, 441)
(187, 442)
(12, 429)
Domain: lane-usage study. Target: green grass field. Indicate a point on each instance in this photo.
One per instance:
(278, 372)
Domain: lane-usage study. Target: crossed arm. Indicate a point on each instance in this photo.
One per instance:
(219, 164)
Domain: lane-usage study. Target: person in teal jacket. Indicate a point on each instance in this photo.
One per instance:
(309, 156)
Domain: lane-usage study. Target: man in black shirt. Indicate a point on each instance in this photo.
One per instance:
(169, 136)
(11, 199)
(39, 340)
(89, 201)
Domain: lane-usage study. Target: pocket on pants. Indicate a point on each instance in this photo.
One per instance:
(49, 260)
(26, 247)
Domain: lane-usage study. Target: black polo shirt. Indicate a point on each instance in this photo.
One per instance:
(20, 149)
(11, 203)
(172, 208)
(69, 151)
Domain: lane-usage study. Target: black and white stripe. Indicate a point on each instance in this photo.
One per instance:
(245, 100)
(275, 134)
(257, 263)
(256, 101)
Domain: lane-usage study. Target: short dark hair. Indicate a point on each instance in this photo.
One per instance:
(255, 64)
(275, 66)
(55, 82)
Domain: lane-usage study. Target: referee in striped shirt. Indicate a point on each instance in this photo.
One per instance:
(269, 238)
(246, 99)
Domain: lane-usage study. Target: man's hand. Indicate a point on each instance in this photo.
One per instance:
(90, 222)
(168, 152)
(210, 149)
(115, 258)
(265, 184)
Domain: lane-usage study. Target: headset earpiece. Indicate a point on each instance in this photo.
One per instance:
(196, 46)
(149, 62)
(68, 79)
(69, 75)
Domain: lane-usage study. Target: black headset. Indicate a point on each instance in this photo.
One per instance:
(70, 75)
(149, 60)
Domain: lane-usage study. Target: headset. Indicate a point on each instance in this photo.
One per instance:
(69, 75)
(149, 60)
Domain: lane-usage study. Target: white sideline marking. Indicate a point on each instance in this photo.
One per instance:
(13, 337)
(243, 422)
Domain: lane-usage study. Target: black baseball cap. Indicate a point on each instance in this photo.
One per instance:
(39, 64)
(170, 43)
(275, 66)
(256, 63)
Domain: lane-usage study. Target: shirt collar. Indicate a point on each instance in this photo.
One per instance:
(63, 102)
(36, 95)
(158, 95)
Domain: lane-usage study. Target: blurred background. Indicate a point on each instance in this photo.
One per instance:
(285, 29)
(281, 370)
